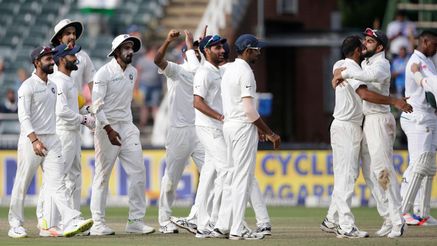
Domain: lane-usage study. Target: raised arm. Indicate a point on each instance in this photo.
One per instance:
(160, 60)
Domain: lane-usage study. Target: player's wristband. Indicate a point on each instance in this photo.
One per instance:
(35, 140)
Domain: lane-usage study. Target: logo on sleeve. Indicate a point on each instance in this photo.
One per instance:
(53, 90)
(248, 86)
(131, 76)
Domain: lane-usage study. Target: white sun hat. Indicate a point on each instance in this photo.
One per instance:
(123, 38)
(64, 24)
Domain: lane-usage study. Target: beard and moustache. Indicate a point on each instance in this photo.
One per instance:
(48, 69)
(126, 58)
(71, 65)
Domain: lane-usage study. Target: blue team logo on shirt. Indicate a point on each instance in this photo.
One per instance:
(131, 76)
(53, 90)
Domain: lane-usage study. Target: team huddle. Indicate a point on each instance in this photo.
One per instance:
(212, 119)
(364, 130)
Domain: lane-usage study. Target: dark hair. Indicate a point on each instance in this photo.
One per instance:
(428, 33)
(349, 45)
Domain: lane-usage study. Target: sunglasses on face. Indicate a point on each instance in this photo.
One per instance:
(254, 48)
(212, 40)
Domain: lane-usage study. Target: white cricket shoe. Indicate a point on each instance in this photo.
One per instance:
(184, 224)
(203, 234)
(247, 236)
(328, 226)
(17, 232)
(51, 232)
(264, 229)
(101, 229)
(398, 231)
(386, 228)
(169, 228)
(217, 233)
(77, 226)
(138, 226)
(354, 233)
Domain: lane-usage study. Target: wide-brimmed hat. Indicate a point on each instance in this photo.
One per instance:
(123, 38)
(59, 28)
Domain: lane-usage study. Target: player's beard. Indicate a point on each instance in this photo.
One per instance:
(126, 57)
(71, 65)
(369, 53)
(48, 68)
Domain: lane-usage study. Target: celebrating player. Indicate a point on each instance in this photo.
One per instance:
(117, 136)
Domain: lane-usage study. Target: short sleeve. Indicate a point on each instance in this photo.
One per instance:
(200, 84)
(171, 70)
(248, 84)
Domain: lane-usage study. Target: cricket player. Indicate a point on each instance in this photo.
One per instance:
(40, 146)
(421, 130)
(181, 141)
(240, 130)
(68, 32)
(379, 126)
(346, 139)
(68, 122)
(117, 136)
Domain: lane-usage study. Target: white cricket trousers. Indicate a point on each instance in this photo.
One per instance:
(422, 137)
(55, 193)
(380, 132)
(131, 157)
(371, 183)
(242, 143)
(346, 143)
(181, 143)
(71, 150)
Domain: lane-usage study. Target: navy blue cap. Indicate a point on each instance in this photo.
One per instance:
(248, 41)
(210, 41)
(184, 48)
(378, 35)
(40, 52)
(62, 50)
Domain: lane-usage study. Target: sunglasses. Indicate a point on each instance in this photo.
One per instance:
(370, 32)
(254, 48)
(212, 40)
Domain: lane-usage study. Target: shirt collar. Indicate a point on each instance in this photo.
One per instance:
(39, 80)
(243, 62)
(116, 67)
(210, 66)
(63, 75)
(375, 57)
(420, 55)
(351, 61)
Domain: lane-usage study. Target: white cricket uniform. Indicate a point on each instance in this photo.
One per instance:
(210, 132)
(341, 112)
(182, 141)
(380, 127)
(241, 137)
(421, 125)
(115, 88)
(36, 113)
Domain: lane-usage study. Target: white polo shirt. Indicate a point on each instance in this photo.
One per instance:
(115, 87)
(376, 74)
(207, 85)
(348, 104)
(180, 90)
(36, 106)
(67, 108)
(238, 81)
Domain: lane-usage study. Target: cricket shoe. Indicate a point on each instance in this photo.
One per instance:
(51, 232)
(203, 234)
(386, 228)
(77, 226)
(17, 232)
(184, 224)
(398, 230)
(354, 233)
(328, 226)
(169, 228)
(247, 236)
(411, 219)
(101, 229)
(264, 229)
(428, 221)
(137, 226)
(217, 233)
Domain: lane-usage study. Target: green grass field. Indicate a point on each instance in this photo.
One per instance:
(291, 226)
